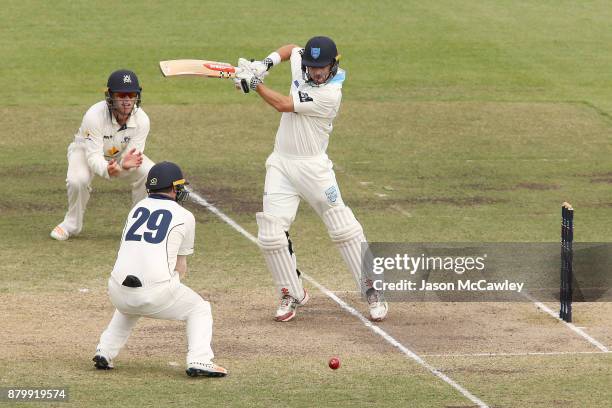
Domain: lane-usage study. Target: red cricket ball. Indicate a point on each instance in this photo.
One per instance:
(334, 363)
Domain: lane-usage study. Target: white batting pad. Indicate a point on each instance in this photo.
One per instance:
(275, 248)
(347, 233)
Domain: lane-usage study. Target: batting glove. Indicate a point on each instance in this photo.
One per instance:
(245, 80)
(260, 68)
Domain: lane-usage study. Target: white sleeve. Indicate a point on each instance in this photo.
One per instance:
(296, 64)
(187, 245)
(94, 147)
(320, 102)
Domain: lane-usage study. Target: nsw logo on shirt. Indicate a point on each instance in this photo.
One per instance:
(332, 194)
(304, 97)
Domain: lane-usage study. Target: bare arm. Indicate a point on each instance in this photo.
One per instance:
(285, 51)
(181, 266)
(280, 102)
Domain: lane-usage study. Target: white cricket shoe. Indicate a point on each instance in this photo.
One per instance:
(286, 309)
(305, 299)
(59, 234)
(209, 369)
(378, 308)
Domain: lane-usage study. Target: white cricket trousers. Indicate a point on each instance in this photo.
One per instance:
(169, 300)
(289, 179)
(78, 185)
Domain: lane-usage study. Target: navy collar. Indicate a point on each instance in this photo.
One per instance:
(160, 197)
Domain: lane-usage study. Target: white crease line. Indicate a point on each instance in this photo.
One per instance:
(346, 291)
(535, 353)
(576, 329)
(513, 160)
(401, 210)
(571, 326)
(409, 353)
(196, 198)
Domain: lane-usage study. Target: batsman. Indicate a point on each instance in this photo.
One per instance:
(299, 168)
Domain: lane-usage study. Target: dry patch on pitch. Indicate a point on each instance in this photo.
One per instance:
(7, 204)
(600, 177)
(430, 328)
(532, 186)
(67, 324)
(233, 200)
(537, 186)
(596, 318)
(385, 202)
(475, 328)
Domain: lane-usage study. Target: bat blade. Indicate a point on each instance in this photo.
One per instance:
(211, 69)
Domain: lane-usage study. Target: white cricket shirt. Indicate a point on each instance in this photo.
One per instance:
(305, 132)
(105, 139)
(156, 231)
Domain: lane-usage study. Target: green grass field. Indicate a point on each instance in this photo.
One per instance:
(461, 121)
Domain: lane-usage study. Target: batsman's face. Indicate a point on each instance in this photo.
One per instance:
(124, 102)
(319, 75)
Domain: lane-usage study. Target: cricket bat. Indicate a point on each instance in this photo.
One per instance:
(210, 69)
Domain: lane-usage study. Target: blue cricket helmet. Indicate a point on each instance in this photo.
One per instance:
(319, 52)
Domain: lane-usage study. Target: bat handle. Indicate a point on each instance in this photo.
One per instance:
(244, 85)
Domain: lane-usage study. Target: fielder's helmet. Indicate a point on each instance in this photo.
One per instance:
(320, 52)
(123, 80)
(164, 175)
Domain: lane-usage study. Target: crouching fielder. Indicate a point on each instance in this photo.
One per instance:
(110, 143)
(299, 168)
(157, 237)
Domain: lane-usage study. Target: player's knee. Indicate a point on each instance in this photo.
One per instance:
(77, 181)
(271, 235)
(342, 224)
(203, 307)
